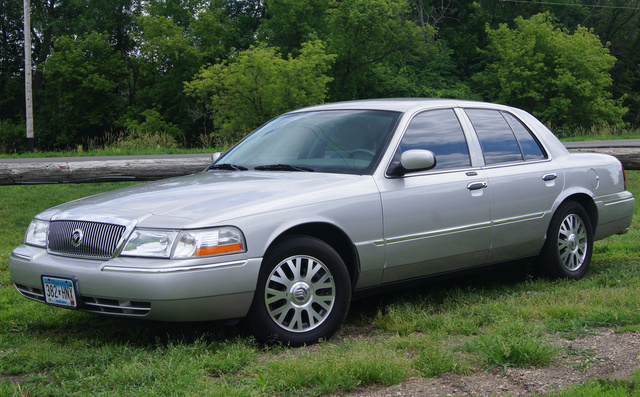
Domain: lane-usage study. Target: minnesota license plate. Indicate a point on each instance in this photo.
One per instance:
(59, 291)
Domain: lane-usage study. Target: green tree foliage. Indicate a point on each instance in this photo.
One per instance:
(289, 23)
(620, 26)
(82, 96)
(379, 48)
(176, 39)
(563, 78)
(554, 68)
(258, 84)
(11, 61)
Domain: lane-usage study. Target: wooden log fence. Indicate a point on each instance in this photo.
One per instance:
(146, 168)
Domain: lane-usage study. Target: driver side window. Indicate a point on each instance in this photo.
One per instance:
(440, 132)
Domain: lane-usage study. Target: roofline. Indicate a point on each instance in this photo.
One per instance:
(401, 104)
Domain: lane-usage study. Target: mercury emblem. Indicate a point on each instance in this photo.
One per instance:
(76, 238)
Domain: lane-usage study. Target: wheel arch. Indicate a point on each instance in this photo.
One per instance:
(330, 234)
(588, 204)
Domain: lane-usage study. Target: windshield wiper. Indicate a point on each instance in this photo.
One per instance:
(226, 166)
(283, 167)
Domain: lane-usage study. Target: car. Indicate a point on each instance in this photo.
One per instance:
(324, 204)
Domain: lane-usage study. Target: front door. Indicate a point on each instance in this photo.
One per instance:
(439, 220)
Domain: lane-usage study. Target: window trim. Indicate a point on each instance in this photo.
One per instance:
(502, 112)
(395, 157)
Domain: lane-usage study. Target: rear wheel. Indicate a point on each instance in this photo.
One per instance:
(303, 293)
(569, 245)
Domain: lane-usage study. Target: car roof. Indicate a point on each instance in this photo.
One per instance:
(401, 104)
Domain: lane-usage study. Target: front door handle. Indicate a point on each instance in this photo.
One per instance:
(477, 185)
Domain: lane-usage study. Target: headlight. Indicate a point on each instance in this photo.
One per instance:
(151, 243)
(158, 243)
(37, 233)
(197, 243)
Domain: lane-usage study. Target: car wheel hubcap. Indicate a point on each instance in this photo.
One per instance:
(300, 293)
(572, 242)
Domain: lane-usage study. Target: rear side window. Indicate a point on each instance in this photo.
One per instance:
(503, 137)
(530, 147)
(440, 132)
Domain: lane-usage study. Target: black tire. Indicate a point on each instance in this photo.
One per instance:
(303, 293)
(567, 251)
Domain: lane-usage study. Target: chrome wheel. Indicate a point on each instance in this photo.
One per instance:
(567, 251)
(572, 242)
(300, 293)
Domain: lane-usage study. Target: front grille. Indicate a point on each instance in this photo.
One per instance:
(84, 239)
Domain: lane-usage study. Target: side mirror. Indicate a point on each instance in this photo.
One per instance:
(215, 157)
(415, 160)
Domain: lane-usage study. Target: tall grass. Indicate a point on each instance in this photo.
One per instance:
(498, 319)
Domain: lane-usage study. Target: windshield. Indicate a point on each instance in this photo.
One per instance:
(339, 141)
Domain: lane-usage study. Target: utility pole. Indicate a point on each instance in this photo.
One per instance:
(27, 74)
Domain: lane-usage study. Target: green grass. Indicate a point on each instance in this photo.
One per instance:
(604, 388)
(501, 318)
(600, 133)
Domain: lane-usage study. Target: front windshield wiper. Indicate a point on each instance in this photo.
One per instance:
(283, 167)
(226, 166)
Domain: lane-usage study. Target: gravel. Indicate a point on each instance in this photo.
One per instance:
(603, 354)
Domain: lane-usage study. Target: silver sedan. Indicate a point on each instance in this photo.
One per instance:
(323, 203)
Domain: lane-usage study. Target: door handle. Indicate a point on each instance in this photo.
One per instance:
(549, 177)
(477, 185)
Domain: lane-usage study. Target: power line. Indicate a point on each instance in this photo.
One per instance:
(572, 4)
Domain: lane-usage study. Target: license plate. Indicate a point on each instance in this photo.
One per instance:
(59, 291)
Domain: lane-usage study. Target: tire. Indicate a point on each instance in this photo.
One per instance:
(303, 293)
(567, 251)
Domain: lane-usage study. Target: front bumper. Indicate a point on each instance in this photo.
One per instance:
(167, 290)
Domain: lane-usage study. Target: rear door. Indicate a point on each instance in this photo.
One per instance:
(523, 180)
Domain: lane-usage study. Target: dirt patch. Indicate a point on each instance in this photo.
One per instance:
(604, 355)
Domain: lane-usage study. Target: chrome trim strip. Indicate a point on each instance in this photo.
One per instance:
(437, 233)
(618, 201)
(121, 269)
(518, 219)
(20, 256)
(123, 308)
(458, 230)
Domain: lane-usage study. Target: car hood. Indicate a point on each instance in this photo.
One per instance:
(212, 197)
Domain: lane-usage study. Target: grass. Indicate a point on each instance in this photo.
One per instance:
(502, 318)
(604, 388)
(600, 133)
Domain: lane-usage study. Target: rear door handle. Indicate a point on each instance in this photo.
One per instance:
(549, 177)
(477, 185)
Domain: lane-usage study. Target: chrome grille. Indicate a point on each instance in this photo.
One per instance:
(84, 239)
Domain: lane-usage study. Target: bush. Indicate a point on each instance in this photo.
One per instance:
(12, 137)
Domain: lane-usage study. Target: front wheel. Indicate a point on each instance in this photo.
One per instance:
(567, 250)
(303, 293)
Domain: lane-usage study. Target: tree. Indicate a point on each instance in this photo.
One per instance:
(379, 48)
(82, 93)
(175, 43)
(258, 84)
(289, 23)
(562, 78)
(620, 26)
(11, 60)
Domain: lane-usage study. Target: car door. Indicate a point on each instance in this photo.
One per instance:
(524, 183)
(438, 220)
